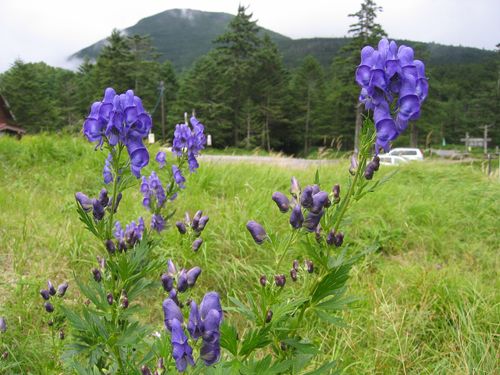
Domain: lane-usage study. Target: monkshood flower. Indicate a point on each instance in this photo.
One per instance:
(391, 75)
(257, 231)
(153, 192)
(131, 235)
(97, 205)
(178, 177)
(161, 158)
(281, 201)
(157, 222)
(120, 119)
(190, 141)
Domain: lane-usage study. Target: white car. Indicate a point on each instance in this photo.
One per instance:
(386, 159)
(407, 153)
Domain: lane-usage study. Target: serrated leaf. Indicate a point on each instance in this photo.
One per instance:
(229, 338)
(255, 339)
(302, 347)
(331, 283)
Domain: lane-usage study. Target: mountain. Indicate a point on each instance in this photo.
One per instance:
(183, 35)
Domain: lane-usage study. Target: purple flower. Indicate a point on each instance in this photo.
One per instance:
(312, 220)
(161, 159)
(281, 201)
(182, 281)
(61, 289)
(320, 200)
(294, 187)
(106, 172)
(280, 280)
(192, 275)
(97, 209)
(211, 317)
(181, 351)
(171, 312)
(189, 141)
(181, 227)
(3, 325)
(157, 222)
(50, 287)
(306, 198)
(48, 307)
(257, 231)
(84, 201)
(45, 294)
(196, 244)
(195, 325)
(178, 177)
(296, 217)
(139, 156)
(172, 270)
(167, 282)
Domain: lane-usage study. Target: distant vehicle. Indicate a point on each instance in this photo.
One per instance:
(386, 159)
(407, 153)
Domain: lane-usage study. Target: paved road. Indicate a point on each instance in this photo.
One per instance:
(274, 160)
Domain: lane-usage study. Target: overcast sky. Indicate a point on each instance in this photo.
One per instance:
(51, 30)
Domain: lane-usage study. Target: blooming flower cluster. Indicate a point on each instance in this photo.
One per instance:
(120, 119)
(97, 205)
(203, 322)
(51, 291)
(188, 140)
(174, 281)
(390, 77)
(127, 238)
(195, 226)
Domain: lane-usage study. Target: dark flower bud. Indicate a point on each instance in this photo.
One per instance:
(296, 217)
(109, 297)
(159, 364)
(280, 280)
(124, 303)
(103, 197)
(167, 281)
(84, 201)
(281, 201)
(336, 193)
(3, 325)
(102, 262)
(52, 290)
(257, 231)
(196, 219)
(98, 209)
(122, 246)
(312, 220)
(5, 355)
(354, 164)
(172, 270)
(369, 171)
(320, 200)
(309, 266)
(117, 202)
(192, 276)
(196, 244)
(293, 274)
(45, 294)
(182, 282)
(48, 307)
(181, 227)
(306, 198)
(269, 316)
(110, 246)
(50, 323)
(339, 239)
(294, 188)
(145, 370)
(202, 223)
(376, 162)
(330, 237)
(61, 289)
(263, 280)
(295, 265)
(283, 346)
(97, 275)
(61, 335)
(317, 234)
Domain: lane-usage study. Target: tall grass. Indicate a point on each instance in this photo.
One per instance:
(428, 298)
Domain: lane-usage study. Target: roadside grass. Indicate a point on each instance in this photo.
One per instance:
(428, 298)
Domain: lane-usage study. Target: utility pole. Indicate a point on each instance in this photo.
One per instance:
(162, 108)
(485, 141)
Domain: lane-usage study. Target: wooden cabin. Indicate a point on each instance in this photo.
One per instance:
(8, 120)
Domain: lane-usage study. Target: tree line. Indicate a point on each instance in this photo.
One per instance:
(247, 97)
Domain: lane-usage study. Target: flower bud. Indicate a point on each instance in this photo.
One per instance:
(296, 217)
(124, 303)
(263, 280)
(196, 244)
(295, 265)
(84, 201)
(294, 187)
(269, 316)
(369, 171)
(61, 335)
(330, 237)
(45, 294)
(159, 364)
(61, 289)
(97, 209)
(320, 200)
(309, 266)
(167, 281)
(196, 219)
(182, 283)
(312, 220)
(48, 307)
(109, 297)
(3, 325)
(181, 227)
(336, 193)
(257, 231)
(172, 270)
(339, 239)
(110, 246)
(103, 197)
(354, 164)
(317, 234)
(192, 276)
(281, 201)
(102, 262)
(145, 370)
(280, 280)
(376, 162)
(118, 199)
(52, 290)
(97, 275)
(293, 274)
(202, 223)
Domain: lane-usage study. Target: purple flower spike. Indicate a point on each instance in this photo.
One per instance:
(192, 276)
(281, 201)
(171, 312)
(257, 231)
(157, 222)
(161, 159)
(296, 218)
(181, 351)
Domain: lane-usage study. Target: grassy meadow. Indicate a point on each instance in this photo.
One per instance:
(428, 300)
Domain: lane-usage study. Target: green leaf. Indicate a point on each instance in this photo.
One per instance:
(255, 339)
(316, 178)
(229, 338)
(331, 283)
(301, 346)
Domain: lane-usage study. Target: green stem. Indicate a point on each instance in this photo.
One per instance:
(285, 251)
